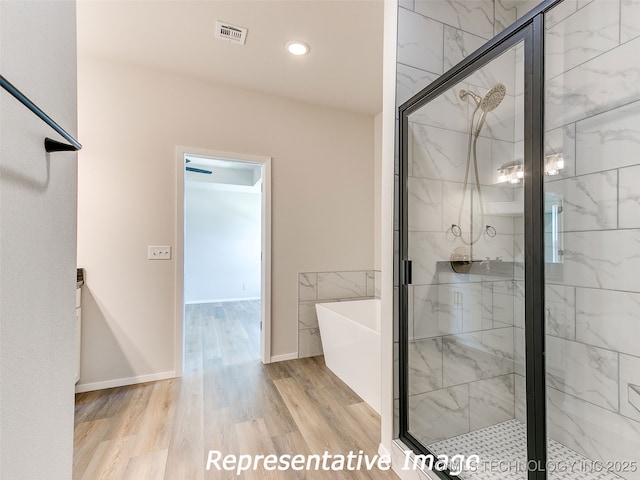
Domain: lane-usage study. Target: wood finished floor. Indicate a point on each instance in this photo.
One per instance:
(228, 401)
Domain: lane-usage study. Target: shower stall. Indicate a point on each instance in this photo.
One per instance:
(518, 236)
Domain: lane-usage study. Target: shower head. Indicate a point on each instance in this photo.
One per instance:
(465, 93)
(493, 97)
(489, 102)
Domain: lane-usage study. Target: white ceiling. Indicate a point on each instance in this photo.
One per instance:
(343, 69)
(224, 172)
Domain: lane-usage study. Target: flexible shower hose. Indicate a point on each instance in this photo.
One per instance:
(473, 142)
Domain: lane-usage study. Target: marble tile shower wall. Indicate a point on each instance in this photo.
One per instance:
(324, 287)
(593, 297)
(462, 364)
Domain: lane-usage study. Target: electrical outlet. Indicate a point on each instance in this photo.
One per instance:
(158, 252)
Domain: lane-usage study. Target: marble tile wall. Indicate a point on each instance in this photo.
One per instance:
(592, 117)
(462, 334)
(324, 287)
(593, 296)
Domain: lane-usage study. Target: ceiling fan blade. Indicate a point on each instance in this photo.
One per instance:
(197, 170)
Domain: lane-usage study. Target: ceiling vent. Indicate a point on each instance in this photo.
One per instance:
(231, 33)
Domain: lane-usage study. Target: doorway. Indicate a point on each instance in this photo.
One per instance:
(223, 252)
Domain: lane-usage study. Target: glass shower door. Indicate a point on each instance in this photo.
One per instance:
(463, 232)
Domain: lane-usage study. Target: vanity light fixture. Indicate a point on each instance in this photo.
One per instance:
(553, 164)
(511, 173)
(297, 48)
(514, 172)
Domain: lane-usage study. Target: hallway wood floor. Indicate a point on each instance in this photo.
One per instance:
(227, 401)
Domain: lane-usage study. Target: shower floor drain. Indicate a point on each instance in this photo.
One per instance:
(503, 455)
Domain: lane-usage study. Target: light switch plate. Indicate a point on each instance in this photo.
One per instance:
(158, 252)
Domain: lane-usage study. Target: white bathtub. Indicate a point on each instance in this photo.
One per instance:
(350, 333)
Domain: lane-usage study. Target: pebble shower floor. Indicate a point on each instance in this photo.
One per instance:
(503, 446)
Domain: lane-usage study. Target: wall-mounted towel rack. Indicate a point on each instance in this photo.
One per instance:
(49, 144)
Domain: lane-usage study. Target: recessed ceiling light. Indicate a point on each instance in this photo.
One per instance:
(297, 48)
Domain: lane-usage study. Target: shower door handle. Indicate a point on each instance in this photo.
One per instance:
(405, 272)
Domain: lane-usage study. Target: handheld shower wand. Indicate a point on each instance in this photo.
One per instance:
(488, 103)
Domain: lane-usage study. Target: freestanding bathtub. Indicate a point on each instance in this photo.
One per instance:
(350, 333)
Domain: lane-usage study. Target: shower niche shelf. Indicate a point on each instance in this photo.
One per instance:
(490, 268)
(505, 209)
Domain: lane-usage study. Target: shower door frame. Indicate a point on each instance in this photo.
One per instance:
(529, 30)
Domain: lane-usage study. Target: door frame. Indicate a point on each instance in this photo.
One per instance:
(265, 270)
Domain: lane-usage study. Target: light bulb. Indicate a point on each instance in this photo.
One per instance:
(297, 48)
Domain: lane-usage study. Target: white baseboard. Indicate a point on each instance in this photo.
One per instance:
(221, 300)
(382, 451)
(285, 357)
(120, 382)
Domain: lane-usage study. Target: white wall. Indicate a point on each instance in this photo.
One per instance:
(131, 120)
(377, 192)
(37, 243)
(389, 333)
(222, 243)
